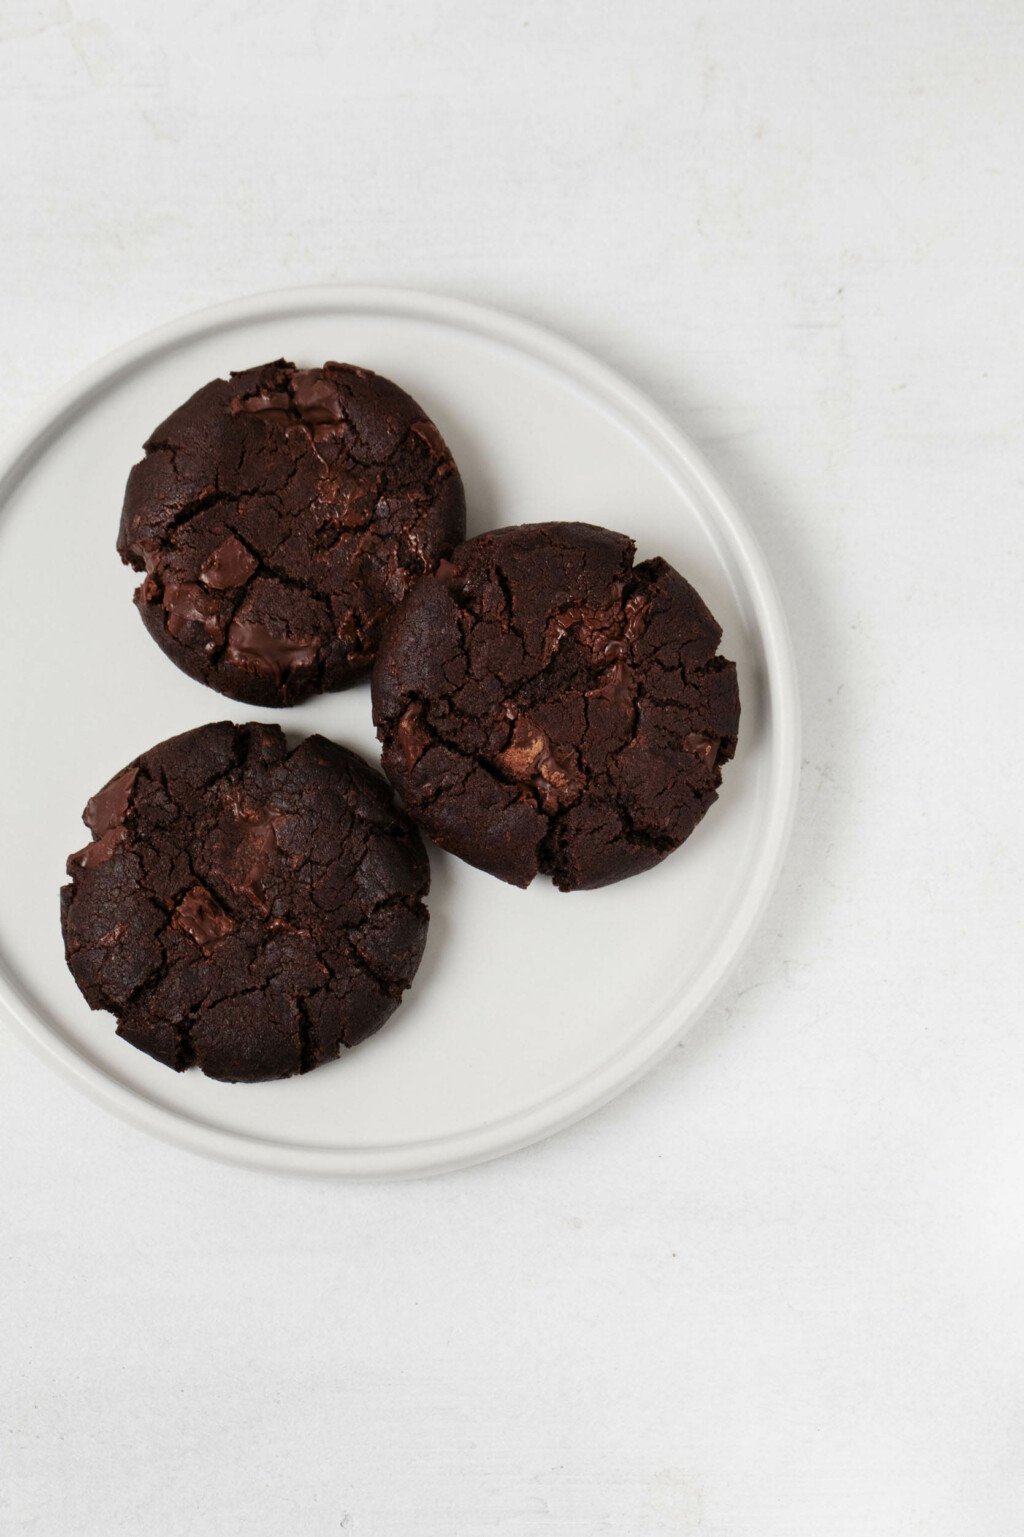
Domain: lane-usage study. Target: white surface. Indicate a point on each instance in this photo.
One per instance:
(530, 1010)
(775, 1290)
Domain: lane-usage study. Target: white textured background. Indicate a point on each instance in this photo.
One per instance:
(776, 1290)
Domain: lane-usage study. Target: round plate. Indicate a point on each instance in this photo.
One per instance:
(531, 1008)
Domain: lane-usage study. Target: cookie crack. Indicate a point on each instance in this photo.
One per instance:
(440, 739)
(191, 510)
(185, 1056)
(307, 1049)
(360, 959)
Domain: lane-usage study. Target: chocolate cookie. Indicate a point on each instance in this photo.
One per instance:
(246, 908)
(280, 515)
(547, 706)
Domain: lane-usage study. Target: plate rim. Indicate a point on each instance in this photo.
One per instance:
(556, 1112)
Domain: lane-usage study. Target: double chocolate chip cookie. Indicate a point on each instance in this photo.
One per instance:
(246, 908)
(280, 515)
(545, 706)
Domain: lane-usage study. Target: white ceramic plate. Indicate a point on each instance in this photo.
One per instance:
(530, 1008)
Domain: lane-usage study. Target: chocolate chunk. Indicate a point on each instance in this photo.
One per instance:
(410, 737)
(109, 806)
(202, 918)
(98, 852)
(703, 747)
(230, 565)
(528, 759)
(546, 706)
(280, 516)
(187, 608)
(264, 909)
(263, 401)
(255, 648)
(318, 399)
(618, 685)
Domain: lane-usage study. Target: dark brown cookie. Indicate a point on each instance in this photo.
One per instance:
(280, 515)
(547, 706)
(246, 908)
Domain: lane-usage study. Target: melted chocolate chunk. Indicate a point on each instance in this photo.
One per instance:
(229, 565)
(109, 806)
(189, 611)
(528, 760)
(703, 747)
(410, 737)
(98, 852)
(202, 918)
(254, 648)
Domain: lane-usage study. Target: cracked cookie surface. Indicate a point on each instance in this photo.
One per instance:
(280, 515)
(246, 908)
(547, 707)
